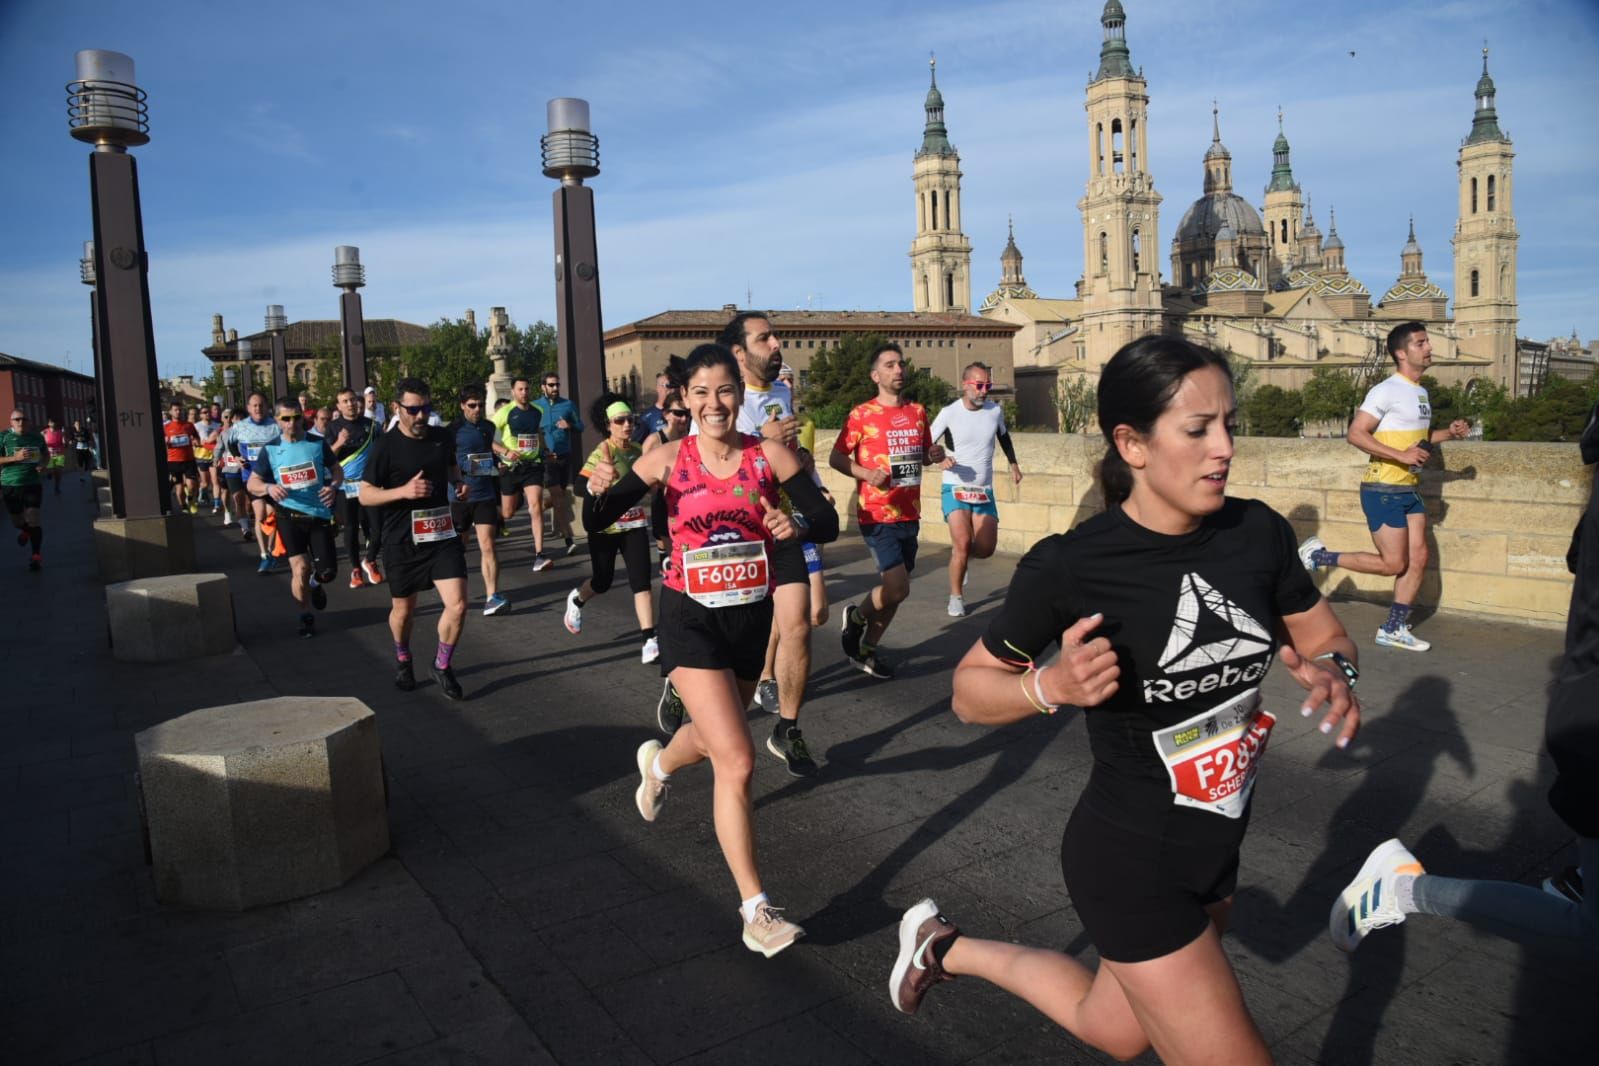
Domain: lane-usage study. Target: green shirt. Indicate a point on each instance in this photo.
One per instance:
(14, 443)
(622, 458)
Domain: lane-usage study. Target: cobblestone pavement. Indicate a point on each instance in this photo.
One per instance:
(527, 915)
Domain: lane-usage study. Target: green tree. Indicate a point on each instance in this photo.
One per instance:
(456, 354)
(1272, 411)
(1558, 413)
(1329, 396)
(839, 378)
(1076, 402)
(532, 349)
(327, 372)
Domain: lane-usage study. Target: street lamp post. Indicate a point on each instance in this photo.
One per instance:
(276, 323)
(246, 369)
(350, 275)
(230, 381)
(571, 153)
(106, 108)
(87, 275)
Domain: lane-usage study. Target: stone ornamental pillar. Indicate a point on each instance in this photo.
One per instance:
(499, 383)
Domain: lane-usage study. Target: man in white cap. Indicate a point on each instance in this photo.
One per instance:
(373, 409)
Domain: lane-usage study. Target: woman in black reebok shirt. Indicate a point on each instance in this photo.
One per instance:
(1168, 608)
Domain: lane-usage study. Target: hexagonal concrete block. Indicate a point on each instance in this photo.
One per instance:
(260, 802)
(166, 619)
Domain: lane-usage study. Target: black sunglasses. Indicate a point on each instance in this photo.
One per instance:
(474, 406)
(418, 409)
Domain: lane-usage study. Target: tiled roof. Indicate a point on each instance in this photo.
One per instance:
(16, 362)
(305, 335)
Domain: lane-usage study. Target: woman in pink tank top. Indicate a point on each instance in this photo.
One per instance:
(721, 492)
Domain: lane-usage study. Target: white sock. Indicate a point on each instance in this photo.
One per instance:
(749, 906)
(1405, 893)
(656, 771)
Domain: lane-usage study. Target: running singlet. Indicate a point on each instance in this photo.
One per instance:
(892, 439)
(719, 536)
(623, 458)
(974, 434)
(1404, 418)
(203, 442)
(301, 466)
(31, 447)
(1191, 618)
(359, 433)
(180, 441)
(249, 437)
(519, 430)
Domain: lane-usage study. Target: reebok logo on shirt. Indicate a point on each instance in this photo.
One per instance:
(1184, 652)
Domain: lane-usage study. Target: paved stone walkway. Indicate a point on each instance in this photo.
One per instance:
(527, 914)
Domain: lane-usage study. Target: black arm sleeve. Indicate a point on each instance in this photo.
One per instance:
(1007, 447)
(820, 517)
(602, 512)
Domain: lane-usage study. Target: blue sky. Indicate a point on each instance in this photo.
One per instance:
(747, 148)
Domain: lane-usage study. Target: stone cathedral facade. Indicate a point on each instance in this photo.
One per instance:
(1261, 282)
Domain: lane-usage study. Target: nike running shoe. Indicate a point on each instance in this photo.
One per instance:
(495, 604)
(651, 652)
(373, 574)
(319, 596)
(541, 562)
(787, 744)
(957, 607)
(853, 628)
(404, 677)
(1567, 884)
(574, 614)
(265, 566)
(1370, 901)
(650, 795)
(770, 932)
(1307, 552)
(669, 711)
(356, 580)
(444, 677)
(917, 969)
(308, 625)
(766, 695)
(1401, 638)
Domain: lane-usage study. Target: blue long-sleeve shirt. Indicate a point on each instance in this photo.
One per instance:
(559, 441)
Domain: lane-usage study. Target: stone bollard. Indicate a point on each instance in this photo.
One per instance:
(166, 619)
(261, 802)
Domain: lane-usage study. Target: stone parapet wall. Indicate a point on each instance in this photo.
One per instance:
(1500, 515)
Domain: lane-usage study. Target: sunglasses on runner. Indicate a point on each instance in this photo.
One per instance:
(624, 420)
(981, 386)
(287, 418)
(417, 410)
(677, 414)
(473, 406)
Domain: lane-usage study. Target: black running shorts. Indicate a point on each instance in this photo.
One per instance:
(476, 513)
(413, 571)
(788, 563)
(515, 479)
(719, 638)
(1141, 897)
(21, 497)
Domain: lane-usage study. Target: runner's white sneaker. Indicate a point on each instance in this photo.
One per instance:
(574, 613)
(1307, 551)
(1401, 638)
(1370, 901)
(957, 607)
(651, 793)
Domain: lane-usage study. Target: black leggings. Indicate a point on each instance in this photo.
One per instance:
(85, 459)
(357, 521)
(635, 548)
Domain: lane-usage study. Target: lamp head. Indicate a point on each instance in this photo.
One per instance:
(348, 273)
(570, 152)
(105, 106)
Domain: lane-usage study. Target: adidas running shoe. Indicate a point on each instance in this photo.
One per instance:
(1370, 901)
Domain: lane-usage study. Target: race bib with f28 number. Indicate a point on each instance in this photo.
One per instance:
(1211, 758)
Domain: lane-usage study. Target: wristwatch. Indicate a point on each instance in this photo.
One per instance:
(1351, 671)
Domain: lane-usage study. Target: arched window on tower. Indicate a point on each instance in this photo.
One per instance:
(1132, 143)
(1104, 252)
(1474, 196)
(1099, 148)
(1491, 196)
(1285, 230)
(927, 297)
(934, 195)
(949, 291)
(1116, 144)
(1136, 244)
(921, 214)
(1474, 277)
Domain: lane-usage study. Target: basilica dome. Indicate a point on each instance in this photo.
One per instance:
(1212, 211)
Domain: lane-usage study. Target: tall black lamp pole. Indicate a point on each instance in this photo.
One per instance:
(350, 275)
(571, 153)
(276, 323)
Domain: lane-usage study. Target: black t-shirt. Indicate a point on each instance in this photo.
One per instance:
(360, 428)
(1192, 619)
(394, 460)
